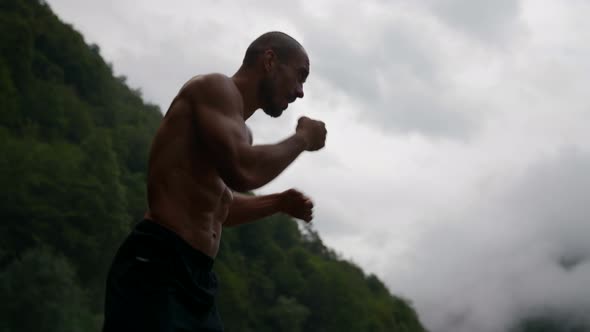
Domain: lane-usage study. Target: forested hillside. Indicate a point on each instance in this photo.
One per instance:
(74, 143)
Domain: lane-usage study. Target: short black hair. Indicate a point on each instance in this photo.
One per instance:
(281, 43)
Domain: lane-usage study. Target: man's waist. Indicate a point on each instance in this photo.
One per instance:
(172, 239)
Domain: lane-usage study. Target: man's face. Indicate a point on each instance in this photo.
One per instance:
(284, 84)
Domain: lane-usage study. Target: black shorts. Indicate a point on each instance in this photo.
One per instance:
(158, 282)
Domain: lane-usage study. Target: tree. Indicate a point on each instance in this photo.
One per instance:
(39, 292)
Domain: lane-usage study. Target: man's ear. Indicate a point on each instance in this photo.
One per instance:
(269, 59)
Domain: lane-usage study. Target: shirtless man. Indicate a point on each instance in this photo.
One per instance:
(201, 158)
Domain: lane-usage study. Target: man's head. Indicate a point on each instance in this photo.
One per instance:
(284, 67)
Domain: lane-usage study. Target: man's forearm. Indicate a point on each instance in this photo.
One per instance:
(268, 161)
(245, 208)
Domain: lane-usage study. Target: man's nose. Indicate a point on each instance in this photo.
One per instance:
(299, 91)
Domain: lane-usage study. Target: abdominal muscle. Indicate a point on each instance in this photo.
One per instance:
(197, 217)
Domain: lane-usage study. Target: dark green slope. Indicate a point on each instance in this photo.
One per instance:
(74, 143)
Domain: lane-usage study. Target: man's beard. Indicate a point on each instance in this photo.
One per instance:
(267, 92)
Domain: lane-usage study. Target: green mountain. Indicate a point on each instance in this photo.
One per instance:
(552, 321)
(74, 143)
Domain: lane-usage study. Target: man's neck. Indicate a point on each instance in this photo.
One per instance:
(245, 80)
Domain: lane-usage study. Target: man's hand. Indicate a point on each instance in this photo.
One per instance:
(313, 133)
(297, 205)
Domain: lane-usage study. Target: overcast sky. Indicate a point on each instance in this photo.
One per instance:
(457, 166)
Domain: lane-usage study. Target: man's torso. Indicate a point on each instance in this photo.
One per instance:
(185, 192)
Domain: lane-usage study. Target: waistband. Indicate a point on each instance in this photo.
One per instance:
(169, 237)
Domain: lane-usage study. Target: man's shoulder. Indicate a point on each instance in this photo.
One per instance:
(212, 92)
(211, 88)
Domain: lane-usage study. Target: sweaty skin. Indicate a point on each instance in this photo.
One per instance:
(202, 156)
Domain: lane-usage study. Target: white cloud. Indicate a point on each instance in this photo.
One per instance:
(496, 22)
(501, 255)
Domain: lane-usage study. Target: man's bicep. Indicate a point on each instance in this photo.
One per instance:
(224, 138)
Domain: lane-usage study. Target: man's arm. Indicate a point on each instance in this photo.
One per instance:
(246, 208)
(244, 167)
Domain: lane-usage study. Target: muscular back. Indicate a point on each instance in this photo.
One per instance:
(186, 190)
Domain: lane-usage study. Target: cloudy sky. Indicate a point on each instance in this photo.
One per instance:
(457, 166)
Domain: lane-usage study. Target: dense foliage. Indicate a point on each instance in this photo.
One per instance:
(552, 321)
(74, 143)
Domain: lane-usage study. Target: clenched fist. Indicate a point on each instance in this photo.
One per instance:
(297, 205)
(313, 133)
